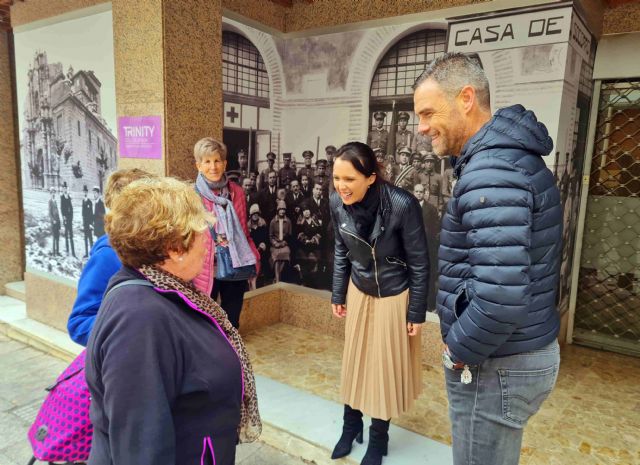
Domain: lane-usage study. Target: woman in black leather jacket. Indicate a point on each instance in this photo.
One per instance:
(380, 284)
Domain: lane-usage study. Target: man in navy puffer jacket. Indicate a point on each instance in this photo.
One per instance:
(500, 246)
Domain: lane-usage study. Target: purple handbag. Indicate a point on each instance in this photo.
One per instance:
(62, 430)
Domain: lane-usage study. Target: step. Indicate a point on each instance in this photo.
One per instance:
(16, 290)
(15, 324)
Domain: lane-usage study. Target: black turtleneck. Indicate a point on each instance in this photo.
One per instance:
(364, 212)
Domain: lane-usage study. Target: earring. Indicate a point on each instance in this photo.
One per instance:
(180, 258)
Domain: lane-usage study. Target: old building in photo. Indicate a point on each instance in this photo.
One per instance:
(64, 137)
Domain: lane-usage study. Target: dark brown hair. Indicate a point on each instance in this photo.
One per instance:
(362, 158)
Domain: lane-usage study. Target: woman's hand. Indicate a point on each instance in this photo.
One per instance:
(413, 329)
(339, 310)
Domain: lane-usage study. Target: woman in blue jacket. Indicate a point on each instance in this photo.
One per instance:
(103, 263)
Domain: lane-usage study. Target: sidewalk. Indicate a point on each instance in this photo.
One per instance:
(25, 374)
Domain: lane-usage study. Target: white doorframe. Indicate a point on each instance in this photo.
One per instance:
(586, 171)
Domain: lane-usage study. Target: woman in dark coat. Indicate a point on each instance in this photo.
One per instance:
(380, 284)
(170, 379)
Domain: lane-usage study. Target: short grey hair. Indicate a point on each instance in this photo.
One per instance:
(208, 145)
(454, 70)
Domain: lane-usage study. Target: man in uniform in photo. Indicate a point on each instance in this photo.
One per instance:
(98, 213)
(330, 153)
(66, 208)
(407, 176)
(421, 143)
(293, 200)
(269, 196)
(287, 173)
(431, 221)
(379, 153)
(432, 181)
(307, 169)
(378, 136)
(54, 219)
(243, 165)
(404, 137)
(321, 177)
(449, 181)
(87, 221)
(264, 174)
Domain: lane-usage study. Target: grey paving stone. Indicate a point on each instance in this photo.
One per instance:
(5, 405)
(12, 430)
(5, 460)
(19, 452)
(9, 345)
(267, 455)
(243, 451)
(19, 359)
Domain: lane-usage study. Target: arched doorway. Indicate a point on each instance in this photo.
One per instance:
(245, 86)
(391, 91)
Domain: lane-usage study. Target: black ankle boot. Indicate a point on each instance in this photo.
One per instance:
(378, 442)
(351, 429)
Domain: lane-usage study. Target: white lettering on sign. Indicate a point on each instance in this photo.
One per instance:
(139, 131)
(540, 27)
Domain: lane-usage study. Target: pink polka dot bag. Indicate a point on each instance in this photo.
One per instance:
(62, 430)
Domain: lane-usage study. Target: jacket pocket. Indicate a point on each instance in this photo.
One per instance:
(524, 391)
(395, 261)
(208, 456)
(461, 303)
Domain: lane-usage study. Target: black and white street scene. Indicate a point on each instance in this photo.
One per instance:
(67, 144)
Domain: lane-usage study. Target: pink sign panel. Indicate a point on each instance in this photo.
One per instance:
(140, 136)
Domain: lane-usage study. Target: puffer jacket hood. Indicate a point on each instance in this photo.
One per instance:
(501, 243)
(510, 128)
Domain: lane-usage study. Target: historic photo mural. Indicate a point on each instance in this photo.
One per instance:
(289, 103)
(66, 103)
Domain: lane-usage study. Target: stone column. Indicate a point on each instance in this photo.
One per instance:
(168, 63)
(11, 237)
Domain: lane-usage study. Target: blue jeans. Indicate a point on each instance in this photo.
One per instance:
(488, 415)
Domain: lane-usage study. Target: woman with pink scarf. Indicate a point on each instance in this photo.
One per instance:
(225, 199)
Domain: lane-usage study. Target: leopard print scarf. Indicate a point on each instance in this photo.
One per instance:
(250, 424)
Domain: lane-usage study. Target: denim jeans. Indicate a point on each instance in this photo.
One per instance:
(488, 415)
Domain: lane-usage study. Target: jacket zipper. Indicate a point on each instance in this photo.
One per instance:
(207, 446)
(373, 254)
(375, 266)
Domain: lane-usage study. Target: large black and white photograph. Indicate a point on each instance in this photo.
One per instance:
(66, 103)
(290, 103)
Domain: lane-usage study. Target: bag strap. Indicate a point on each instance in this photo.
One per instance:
(129, 282)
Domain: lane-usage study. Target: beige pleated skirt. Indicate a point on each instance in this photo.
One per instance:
(381, 372)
